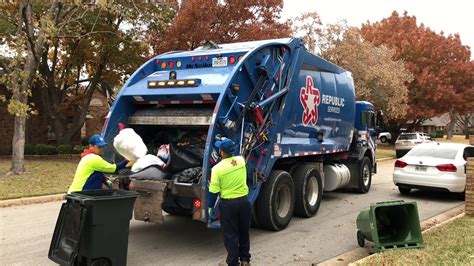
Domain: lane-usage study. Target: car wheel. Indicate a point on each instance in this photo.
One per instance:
(398, 154)
(276, 201)
(461, 195)
(308, 190)
(383, 139)
(404, 190)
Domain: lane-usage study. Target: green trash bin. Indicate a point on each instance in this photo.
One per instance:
(390, 225)
(92, 228)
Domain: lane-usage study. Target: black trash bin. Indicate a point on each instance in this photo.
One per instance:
(92, 228)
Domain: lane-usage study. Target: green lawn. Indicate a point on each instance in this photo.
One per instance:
(448, 244)
(455, 139)
(385, 152)
(42, 177)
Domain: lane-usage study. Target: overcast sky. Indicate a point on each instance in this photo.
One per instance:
(453, 16)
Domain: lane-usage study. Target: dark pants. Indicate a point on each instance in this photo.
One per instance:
(235, 224)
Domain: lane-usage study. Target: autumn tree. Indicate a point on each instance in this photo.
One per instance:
(377, 77)
(222, 22)
(27, 45)
(101, 50)
(440, 65)
(65, 51)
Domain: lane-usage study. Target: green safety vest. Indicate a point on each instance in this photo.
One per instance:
(87, 166)
(229, 178)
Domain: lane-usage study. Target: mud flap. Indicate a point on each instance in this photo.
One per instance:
(148, 204)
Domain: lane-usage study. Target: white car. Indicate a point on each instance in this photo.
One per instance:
(385, 136)
(406, 141)
(433, 166)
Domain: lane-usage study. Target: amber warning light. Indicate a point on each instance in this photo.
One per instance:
(174, 83)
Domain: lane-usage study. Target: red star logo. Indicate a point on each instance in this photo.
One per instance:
(233, 162)
(310, 99)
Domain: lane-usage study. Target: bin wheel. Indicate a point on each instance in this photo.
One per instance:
(360, 238)
(101, 262)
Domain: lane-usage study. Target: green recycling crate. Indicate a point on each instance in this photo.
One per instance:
(390, 225)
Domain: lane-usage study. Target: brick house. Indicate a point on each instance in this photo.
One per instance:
(37, 130)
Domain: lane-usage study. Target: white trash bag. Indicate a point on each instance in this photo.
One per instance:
(146, 161)
(130, 145)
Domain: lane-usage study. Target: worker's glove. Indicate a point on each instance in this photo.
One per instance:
(129, 164)
(211, 214)
(109, 183)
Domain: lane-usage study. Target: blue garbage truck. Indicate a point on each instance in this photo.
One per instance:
(292, 114)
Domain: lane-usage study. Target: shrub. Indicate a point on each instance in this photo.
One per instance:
(5, 150)
(43, 149)
(29, 149)
(64, 149)
(79, 149)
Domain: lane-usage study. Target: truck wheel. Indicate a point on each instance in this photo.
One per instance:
(176, 211)
(383, 139)
(254, 221)
(308, 190)
(276, 201)
(365, 176)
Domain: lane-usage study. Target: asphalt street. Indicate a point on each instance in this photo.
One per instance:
(26, 231)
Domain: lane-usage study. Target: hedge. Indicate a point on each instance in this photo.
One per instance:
(44, 149)
(64, 149)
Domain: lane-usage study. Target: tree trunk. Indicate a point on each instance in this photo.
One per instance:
(466, 131)
(34, 49)
(18, 144)
(450, 125)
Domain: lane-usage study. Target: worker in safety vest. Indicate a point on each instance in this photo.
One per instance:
(90, 171)
(229, 181)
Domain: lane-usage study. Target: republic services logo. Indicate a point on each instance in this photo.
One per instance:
(310, 99)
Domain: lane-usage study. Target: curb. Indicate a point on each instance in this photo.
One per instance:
(31, 200)
(385, 159)
(359, 255)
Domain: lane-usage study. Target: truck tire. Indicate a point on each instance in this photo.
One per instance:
(383, 139)
(365, 176)
(308, 190)
(276, 201)
(254, 221)
(176, 211)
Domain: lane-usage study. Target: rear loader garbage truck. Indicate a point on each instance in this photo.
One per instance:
(293, 116)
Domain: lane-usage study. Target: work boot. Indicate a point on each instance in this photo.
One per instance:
(244, 263)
